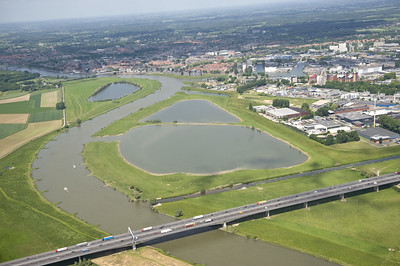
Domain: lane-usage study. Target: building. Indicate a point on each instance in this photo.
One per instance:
(343, 77)
(378, 135)
(283, 113)
(355, 118)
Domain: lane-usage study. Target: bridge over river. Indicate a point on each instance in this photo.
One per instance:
(217, 219)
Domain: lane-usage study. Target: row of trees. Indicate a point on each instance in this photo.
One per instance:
(341, 137)
(389, 89)
(251, 85)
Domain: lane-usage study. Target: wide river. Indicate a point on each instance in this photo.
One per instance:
(60, 165)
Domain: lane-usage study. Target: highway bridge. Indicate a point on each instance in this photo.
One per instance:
(220, 218)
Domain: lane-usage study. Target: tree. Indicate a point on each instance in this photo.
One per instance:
(341, 137)
(323, 111)
(353, 136)
(305, 107)
(330, 140)
(178, 213)
(78, 121)
(60, 105)
(250, 106)
(391, 75)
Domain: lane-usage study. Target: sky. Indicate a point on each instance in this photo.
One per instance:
(40, 10)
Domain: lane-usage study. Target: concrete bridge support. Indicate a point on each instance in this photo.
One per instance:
(306, 205)
(224, 226)
(267, 214)
(377, 188)
(342, 197)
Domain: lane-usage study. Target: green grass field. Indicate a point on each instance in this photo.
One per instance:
(46, 116)
(9, 129)
(29, 224)
(359, 231)
(77, 93)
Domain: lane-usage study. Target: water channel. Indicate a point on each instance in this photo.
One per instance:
(59, 165)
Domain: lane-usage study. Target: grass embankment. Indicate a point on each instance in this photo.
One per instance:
(363, 230)
(29, 224)
(77, 93)
(121, 175)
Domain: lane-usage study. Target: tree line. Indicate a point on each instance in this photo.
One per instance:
(341, 137)
(390, 123)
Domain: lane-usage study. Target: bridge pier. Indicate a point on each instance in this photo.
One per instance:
(377, 188)
(267, 213)
(224, 226)
(342, 197)
(306, 205)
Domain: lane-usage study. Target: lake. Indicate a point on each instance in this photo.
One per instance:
(203, 149)
(113, 91)
(193, 111)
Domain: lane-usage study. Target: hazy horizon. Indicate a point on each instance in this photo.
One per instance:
(14, 11)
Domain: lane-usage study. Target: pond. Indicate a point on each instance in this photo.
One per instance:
(113, 91)
(205, 149)
(193, 111)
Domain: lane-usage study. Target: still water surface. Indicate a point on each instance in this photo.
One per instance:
(113, 91)
(193, 111)
(205, 149)
(59, 164)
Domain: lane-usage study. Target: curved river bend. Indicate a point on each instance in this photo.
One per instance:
(59, 164)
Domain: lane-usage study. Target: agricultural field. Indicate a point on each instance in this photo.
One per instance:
(49, 99)
(23, 118)
(9, 129)
(32, 131)
(13, 118)
(14, 97)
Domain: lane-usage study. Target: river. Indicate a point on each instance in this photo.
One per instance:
(60, 165)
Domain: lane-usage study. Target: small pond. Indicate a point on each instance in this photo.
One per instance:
(113, 91)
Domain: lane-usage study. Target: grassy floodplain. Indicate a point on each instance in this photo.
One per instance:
(29, 224)
(360, 231)
(363, 230)
(77, 93)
